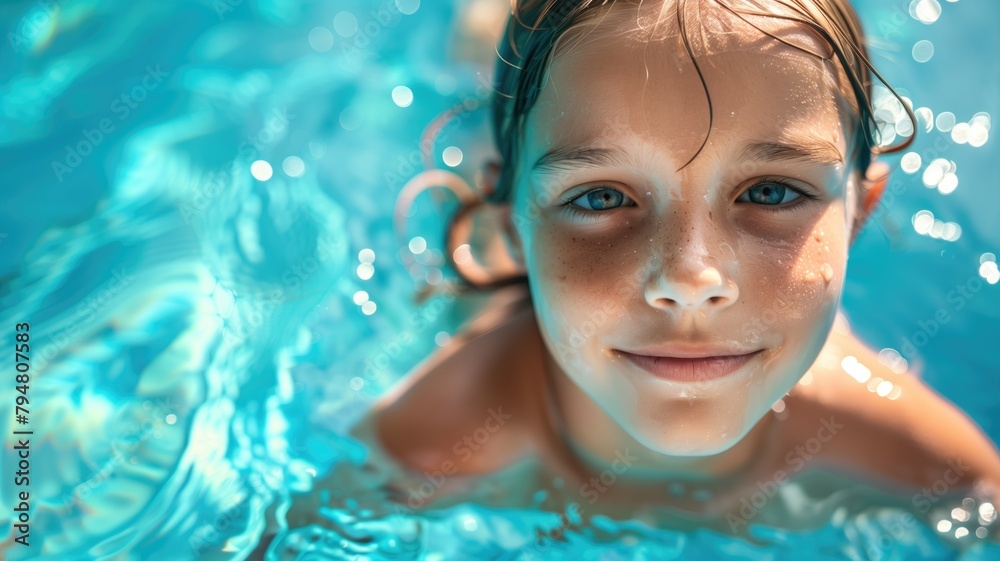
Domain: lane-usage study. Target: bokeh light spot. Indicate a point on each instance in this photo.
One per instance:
(923, 50)
(910, 163)
(925, 11)
(452, 156)
(408, 7)
(402, 96)
(261, 170)
(417, 245)
(293, 166)
(945, 121)
(320, 39)
(345, 24)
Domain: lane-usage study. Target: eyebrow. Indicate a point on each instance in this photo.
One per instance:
(807, 150)
(567, 157)
(810, 150)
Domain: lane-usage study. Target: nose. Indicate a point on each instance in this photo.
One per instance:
(691, 280)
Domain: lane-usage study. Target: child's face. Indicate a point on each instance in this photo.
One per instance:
(693, 259)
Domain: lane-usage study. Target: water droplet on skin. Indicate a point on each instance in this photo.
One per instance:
(827, 271)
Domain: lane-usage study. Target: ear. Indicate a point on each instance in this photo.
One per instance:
(872, 187)
(487, 179)
(511, 236)
(495, 248)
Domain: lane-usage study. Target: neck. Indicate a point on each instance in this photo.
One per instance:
(596, 439)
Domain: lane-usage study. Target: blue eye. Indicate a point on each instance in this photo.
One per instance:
(769, 193)
(601, 198)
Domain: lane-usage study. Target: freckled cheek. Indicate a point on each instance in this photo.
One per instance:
(570, 267)
(580, 261)
(811, 275)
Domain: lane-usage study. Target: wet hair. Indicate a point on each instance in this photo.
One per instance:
(531, 39)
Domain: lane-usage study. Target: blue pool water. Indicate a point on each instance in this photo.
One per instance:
(203, 328)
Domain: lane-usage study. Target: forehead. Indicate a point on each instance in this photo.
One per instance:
(626, 71)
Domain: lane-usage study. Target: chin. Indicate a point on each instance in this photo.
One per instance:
(692, 435)
(688, 447)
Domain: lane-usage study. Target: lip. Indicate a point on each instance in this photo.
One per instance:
(690, 365)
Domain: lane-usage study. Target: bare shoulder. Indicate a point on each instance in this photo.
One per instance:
(886, 425)
(468, 406)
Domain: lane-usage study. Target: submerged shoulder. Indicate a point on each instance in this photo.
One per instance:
(890, 425)
(467, 407)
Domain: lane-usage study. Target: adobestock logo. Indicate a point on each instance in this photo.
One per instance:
(958, 298)
(796, 459)
(930, 495)
(418, 322)
(84, 315)
(411, 164)
(464, 449)
(122, 108)
(592, 491)
(763, 322)
(598, 485)
(38, 21)
(222, 180)
(387, 15)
